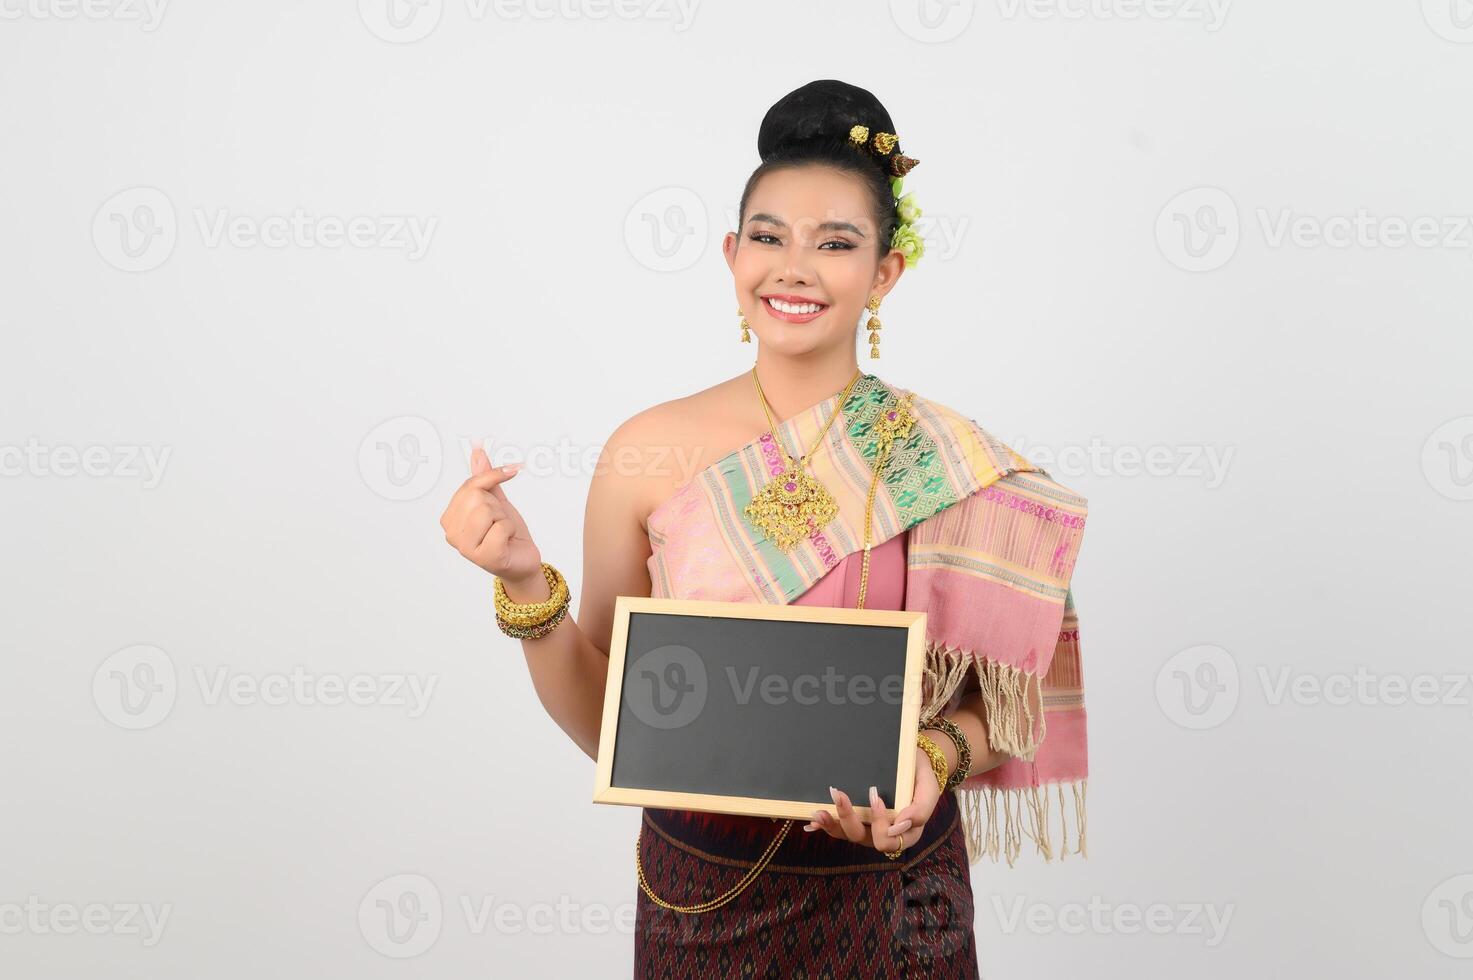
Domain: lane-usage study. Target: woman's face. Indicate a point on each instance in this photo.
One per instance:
(808, 237)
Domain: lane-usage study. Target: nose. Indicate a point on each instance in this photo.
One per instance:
(795, 269)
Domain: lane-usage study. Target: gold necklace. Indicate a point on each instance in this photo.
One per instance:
(794, 504)
(891, 424)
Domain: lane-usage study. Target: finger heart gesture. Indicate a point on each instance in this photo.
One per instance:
(484, 526)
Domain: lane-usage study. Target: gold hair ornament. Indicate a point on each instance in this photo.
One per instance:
(905, 238)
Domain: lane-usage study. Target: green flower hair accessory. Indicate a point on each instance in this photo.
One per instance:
(906, 238)
(910, 243)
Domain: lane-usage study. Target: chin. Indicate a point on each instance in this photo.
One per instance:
(789, 340)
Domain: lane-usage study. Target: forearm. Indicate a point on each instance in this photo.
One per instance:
(568, 671)
(971, 717)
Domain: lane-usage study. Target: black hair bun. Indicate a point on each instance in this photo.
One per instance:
(822, 112)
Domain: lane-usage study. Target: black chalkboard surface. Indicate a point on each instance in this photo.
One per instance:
(758, 708)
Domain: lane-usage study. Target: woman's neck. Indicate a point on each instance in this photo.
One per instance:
(792, 386)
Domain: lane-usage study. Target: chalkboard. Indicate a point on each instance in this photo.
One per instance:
(757, 708)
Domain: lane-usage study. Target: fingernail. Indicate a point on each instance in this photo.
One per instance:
(899, 828)
(874, 794)
(835, 794)
(511, 467)
(809, 826)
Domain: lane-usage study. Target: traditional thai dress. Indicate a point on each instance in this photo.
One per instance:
(964, 529)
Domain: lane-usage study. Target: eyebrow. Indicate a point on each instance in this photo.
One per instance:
(773, 219)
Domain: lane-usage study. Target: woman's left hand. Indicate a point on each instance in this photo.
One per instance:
(886, 831)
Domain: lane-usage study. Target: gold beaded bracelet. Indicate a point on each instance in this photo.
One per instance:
(529, 620)
(938, 760)
(532, 632)
(963, 749)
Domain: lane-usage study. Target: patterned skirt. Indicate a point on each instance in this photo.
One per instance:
(821, 908)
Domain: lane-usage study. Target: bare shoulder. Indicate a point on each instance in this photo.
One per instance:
(654, 452)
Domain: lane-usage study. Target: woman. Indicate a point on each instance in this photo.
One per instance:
(817, 483)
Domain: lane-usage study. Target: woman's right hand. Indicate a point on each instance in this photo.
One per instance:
(482, 524)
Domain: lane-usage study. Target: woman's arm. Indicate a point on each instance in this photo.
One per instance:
(569, 666)
(971, 717)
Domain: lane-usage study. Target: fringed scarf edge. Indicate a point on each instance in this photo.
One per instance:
(1012, 728)
(1025, 812)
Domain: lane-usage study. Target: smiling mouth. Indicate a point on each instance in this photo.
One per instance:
(795, 312)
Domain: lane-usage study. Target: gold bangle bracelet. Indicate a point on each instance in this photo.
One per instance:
(532, 613)
(532, 632)
(531, 610)
(938, 760)
(963, 748)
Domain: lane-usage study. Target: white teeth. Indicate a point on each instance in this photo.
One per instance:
(798, 308)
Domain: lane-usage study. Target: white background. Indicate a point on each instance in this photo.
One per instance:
(1109, 276)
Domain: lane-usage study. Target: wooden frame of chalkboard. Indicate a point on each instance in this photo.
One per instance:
(690, 752)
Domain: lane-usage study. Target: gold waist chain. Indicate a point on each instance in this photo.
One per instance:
(891, 424)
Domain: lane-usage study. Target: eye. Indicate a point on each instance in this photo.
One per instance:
(768, 238)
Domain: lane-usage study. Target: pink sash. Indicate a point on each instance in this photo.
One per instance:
(992, 545)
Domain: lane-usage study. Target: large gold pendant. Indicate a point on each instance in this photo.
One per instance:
(791, 507)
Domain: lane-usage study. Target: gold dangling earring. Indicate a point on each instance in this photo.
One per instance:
(746, 337)
(873, 326)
